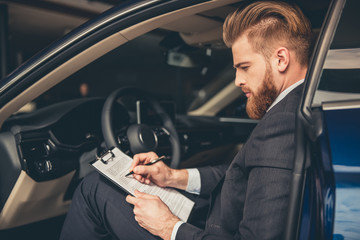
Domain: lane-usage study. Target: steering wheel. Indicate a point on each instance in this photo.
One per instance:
(139, 137)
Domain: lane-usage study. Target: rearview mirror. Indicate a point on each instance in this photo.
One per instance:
(178, 59)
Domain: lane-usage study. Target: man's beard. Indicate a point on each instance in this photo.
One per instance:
(259, 103)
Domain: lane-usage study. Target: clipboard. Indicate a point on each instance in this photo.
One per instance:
(114, 165)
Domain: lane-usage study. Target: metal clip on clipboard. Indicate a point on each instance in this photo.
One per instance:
(106, 157)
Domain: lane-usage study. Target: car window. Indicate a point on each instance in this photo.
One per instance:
(338, 95)
(340, 79)
(157, 62)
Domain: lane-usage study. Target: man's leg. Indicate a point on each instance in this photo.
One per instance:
(99, 211)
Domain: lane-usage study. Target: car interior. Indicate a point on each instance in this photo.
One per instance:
(175, 78)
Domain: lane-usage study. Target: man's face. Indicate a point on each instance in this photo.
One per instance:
(255, 77)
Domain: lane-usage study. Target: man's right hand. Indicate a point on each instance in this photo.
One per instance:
(158, 173)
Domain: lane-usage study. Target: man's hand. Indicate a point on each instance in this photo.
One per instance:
(158, 173)
(152, 214)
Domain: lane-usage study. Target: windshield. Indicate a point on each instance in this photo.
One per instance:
(158, 63)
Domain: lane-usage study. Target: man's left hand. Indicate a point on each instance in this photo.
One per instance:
(152, 214)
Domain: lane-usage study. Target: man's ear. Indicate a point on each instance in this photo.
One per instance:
(283, 58)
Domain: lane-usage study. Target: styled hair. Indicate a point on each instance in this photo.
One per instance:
(268, 25)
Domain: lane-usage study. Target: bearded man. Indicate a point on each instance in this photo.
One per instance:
(270, 43)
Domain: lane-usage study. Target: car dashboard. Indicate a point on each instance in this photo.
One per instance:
(50, 144)
(50, 141)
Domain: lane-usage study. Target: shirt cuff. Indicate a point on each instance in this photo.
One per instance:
(194, 181)
(175, 230)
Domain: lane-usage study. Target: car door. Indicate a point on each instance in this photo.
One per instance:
(326, 180)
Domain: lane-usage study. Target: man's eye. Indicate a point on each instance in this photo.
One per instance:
(245, 68)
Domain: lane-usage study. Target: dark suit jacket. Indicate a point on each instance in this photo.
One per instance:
(250, 201)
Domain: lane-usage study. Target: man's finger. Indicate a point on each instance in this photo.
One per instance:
(138, 177)
(142, 158)
(134, 163)
(145, 157)
(137, 159)
(143, 195)
(142, 170)
(130, 199)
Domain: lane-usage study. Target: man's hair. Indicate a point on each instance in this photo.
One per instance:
(269, 25)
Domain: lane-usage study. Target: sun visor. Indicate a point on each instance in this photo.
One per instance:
(211, 38)
(198, 31)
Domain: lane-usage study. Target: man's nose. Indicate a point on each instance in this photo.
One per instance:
(239, 81)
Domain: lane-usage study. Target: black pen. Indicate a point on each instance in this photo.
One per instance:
(149, 163)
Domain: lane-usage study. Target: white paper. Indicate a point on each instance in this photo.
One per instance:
(119, 166)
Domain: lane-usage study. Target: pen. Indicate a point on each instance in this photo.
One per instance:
(148, 164)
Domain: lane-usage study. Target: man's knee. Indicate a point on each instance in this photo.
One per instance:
(87, 187)
(90, 181)
(96, 188)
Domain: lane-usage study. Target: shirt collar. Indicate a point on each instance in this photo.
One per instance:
(284, 93)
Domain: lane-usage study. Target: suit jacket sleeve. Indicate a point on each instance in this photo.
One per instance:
(210, 177)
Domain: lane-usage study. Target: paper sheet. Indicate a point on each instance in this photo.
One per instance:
(116, 168)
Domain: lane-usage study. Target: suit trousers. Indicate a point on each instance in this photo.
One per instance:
(99, 211)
